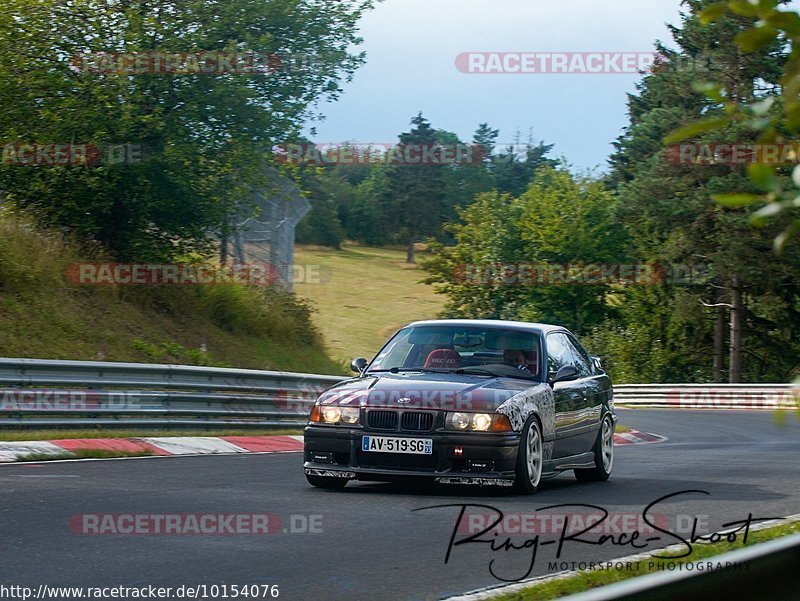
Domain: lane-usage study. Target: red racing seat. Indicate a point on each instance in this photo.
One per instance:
(443, 358)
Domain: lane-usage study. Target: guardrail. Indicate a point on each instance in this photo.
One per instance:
(709, 396)
(766, 571)
(40, 393)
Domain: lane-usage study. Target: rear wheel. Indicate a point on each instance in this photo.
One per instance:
(329, 482)
(603, 455)
(529, 457)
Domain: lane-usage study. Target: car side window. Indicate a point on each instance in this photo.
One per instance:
(582, 361)
(559, 353)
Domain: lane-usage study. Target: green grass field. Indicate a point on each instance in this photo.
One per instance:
(364, 295)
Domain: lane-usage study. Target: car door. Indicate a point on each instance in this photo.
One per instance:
(571, 402)
(593, 391)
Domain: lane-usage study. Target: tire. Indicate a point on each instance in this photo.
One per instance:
(328, 482)
(530, 457)
(603, 455)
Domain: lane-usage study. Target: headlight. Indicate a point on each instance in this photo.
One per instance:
(335, 415)
(458, 421)
(331, 414)
(350, 415)
(477, 422)
(481, 422)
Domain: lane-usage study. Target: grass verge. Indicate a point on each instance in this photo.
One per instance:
(83, 454)
(27, 435)
(47, 315)
(585, 580)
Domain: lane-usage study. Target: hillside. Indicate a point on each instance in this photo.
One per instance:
(362, 295)
(42, 315)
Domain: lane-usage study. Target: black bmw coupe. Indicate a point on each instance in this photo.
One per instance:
(480, 402)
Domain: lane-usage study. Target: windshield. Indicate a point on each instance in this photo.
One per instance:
(491, 351)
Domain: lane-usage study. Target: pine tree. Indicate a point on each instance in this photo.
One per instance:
(672, 219)
(413, 201)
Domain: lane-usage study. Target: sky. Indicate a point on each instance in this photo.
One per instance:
(412, 47)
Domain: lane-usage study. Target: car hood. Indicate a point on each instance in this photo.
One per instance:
(415, 390)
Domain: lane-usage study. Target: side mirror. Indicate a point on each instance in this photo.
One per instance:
(597, 362)
(565, 374)
(359, 365)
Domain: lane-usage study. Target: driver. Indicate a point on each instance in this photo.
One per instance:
(516, 358)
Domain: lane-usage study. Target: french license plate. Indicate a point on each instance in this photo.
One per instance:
(394, 444)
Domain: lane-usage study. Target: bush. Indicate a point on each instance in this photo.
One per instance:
(629, 354)
(259, 312)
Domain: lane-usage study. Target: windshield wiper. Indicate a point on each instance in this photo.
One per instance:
(397, 370)
(474, 371)
(512, 373)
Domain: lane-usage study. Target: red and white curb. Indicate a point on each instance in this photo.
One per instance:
(178, 445)
(202, 445)
(636, 437)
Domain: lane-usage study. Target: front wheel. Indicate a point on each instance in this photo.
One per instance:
(603, 455)
(329, 482)
(529, 457)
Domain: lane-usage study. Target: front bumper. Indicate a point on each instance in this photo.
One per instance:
(457, 458)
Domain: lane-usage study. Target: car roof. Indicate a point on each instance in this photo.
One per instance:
(542, 328)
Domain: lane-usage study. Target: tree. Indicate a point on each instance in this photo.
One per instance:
(559, 225)
(326, 191)
(362, 214)
(776, 118)
(413, 202)
(374, 210)
(514, 168)
(672, 220)
(206, 136)
(567, 222)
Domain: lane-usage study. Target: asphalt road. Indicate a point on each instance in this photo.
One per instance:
(372, 545)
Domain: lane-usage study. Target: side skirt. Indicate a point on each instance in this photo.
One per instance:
(582, 461)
